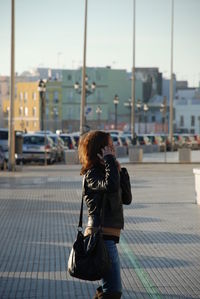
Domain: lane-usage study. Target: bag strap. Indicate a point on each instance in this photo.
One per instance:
(80, 224)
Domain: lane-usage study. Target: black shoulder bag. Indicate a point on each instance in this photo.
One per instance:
(125, 186)
(89, 258)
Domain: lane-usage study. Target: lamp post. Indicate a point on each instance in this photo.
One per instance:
(139, 107)
(128, 104)
(116, 102)
(145, 108)
(55, 117)
(98, 112)
(163, 110)
(89, 89)
(133, 75)
(199, 124)
(42, 91)
(83, 93)
(172, 77)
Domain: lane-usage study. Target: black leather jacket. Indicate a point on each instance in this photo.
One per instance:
(102, 191)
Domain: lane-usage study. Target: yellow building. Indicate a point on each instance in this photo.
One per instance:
(26, 107)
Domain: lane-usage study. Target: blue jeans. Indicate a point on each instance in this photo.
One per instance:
(111, 282)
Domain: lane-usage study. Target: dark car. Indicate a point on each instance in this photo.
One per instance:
(3, 159)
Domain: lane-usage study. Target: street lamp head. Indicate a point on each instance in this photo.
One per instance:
(76, 86)
(98, 110)
(128, 103)
(116, 100)
(146, 107)
(42, 86)
(139, 104)
(93, 86)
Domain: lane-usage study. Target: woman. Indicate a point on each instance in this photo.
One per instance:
(104, 194)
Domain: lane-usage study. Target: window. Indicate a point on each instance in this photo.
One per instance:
(26, 111)
(55, 96)
(25, 97)
(34, 96)
(181, 121)
(99, 95)
(192, 120)
(153, 119)
(8, 111)
(70, 95)
(21, 111)
(21, 96)
(69, 77)
(34, 111)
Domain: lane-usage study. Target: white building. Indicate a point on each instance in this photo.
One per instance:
(187, 111)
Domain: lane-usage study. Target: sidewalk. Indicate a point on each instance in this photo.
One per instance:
(159, 248)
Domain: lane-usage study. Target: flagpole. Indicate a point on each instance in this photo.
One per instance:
(11, 164)
(83, 93)
(172, 77)
(133, 78)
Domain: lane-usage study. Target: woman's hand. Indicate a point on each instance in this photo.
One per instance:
(107, 150)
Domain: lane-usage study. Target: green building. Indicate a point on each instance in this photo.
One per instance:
(53, 105)
(100, 108)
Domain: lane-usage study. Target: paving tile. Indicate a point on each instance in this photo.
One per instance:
(159, 248)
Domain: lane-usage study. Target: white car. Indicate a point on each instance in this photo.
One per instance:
(36, 149)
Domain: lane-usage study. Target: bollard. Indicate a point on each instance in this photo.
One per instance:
(184, 155)
(71, 157)
(197, 184)
(135, 154)
(121, 151)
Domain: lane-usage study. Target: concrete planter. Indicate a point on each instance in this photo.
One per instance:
(196, 172)
(135, 154)
(121, 151)
(184, 155)
(71, 157)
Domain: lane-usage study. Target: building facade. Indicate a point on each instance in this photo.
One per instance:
(53, 105)
(187, 111)
(109, 82)
(26, 107)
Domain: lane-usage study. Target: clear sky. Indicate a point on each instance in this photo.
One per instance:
(49, 33)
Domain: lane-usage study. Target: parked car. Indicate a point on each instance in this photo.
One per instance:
(152, 139)
(141, 140)
(189, 141)
(59, 146)
(116, 140)
(47, 132)
(4, 139)
(68, 140)
(75, 140)
(197, 138)
(3, 159)
(35, 147)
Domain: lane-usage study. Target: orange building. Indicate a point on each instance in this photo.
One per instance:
(26, 107)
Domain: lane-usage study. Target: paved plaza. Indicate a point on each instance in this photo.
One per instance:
(159, 247)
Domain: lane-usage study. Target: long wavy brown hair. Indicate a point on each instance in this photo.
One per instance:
(90, 145)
